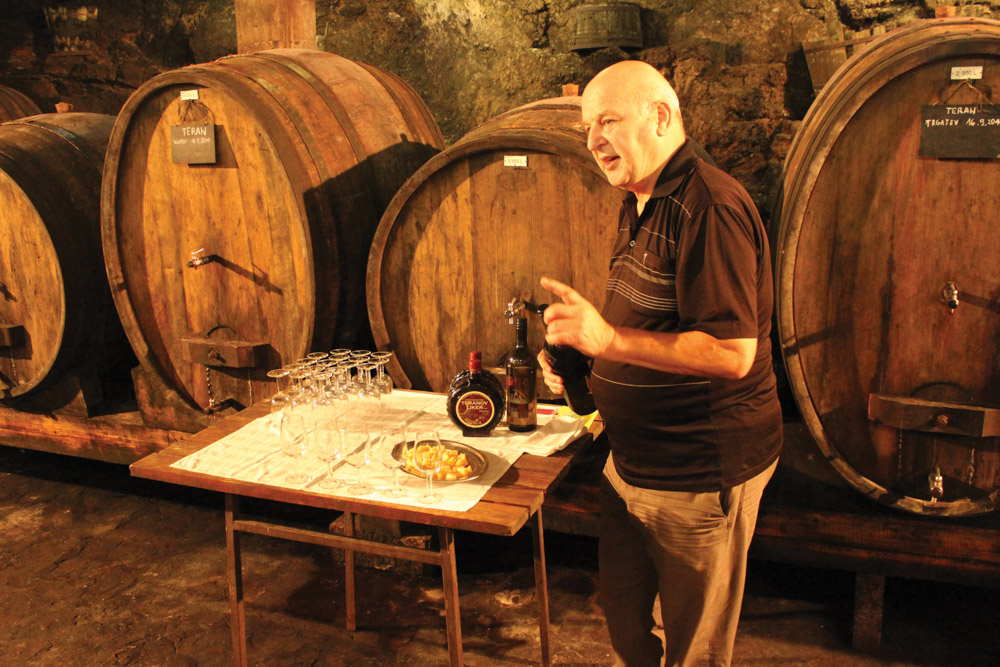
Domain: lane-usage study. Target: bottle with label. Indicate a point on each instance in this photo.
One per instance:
(522, 372)
(476, 399)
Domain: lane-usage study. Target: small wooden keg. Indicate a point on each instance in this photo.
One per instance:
(608, 24)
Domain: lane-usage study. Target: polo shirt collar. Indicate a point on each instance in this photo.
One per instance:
(670, 177)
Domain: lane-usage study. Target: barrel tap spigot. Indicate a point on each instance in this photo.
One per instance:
(935, 482)
(949, 294)
(197, 259)
(518, 307)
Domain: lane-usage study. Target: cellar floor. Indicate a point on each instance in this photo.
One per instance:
(99, 568)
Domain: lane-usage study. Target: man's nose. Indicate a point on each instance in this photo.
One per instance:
(594, 137)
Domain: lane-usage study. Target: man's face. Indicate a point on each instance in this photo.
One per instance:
(621, 136)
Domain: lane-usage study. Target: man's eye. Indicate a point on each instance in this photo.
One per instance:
(608, 122)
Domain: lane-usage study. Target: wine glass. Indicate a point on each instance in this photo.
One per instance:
(280, 398)
(382, 380)
(293, 442)
(369, 397)
(328, 446)
(428, 455)
(392, 439)
(358, 449)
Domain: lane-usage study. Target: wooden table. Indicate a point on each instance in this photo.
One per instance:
(514, 500)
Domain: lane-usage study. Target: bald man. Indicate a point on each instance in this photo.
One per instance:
(681, 375)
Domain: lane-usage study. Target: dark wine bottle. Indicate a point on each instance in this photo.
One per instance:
(476, 399)
(522, 373)
(574, 369)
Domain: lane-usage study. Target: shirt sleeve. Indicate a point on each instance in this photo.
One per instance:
(717, 274)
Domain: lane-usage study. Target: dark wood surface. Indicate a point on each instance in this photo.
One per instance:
(502, 511)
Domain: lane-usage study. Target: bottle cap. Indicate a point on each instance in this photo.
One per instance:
(475, 360)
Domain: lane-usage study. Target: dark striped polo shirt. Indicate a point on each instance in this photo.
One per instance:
(697, 259)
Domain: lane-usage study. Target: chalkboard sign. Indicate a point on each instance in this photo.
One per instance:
(957, 131)
(192, 143)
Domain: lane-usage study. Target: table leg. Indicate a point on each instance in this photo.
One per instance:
(453, 619)
(541, 585)
(352, 619)
(234, 571)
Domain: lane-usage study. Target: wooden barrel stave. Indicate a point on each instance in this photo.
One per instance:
(15, 104)
(465, 235)
(877, 232)
(54, 283)
(291, 205)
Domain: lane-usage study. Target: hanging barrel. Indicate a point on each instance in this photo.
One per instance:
(56, 312)
(223, 270)
(518, 198)
(15, 104)
(888, 285)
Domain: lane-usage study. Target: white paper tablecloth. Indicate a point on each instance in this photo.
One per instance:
(252, 453)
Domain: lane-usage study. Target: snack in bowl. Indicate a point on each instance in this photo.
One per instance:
(461, 462)
(455, 465)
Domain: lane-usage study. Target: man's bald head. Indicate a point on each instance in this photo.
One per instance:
(633, 123)
(637, 82)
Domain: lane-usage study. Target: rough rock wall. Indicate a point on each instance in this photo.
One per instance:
(737, 65)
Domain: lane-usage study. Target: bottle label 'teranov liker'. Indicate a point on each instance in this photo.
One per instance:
(475, 409)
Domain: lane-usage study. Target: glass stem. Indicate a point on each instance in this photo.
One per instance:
(429, 475)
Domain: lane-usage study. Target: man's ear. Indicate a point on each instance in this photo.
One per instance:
(663, 118)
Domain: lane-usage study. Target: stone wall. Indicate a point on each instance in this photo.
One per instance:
(737, 65)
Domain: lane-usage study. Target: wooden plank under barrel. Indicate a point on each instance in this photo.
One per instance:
(888, 286)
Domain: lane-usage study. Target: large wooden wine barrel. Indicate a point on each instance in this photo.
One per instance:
(899, 390)
(56, 312)
(518, 198)
(15, 104)
(221, 271)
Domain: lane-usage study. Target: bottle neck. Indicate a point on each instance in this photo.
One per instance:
(475, 362)
(521, 327)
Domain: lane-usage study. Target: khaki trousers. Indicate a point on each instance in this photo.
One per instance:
(691, 549)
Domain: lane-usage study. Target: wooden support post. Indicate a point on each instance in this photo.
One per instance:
(275, 24)
(869, 595)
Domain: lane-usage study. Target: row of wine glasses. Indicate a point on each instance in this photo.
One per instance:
(331, 384)
(338, 439)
